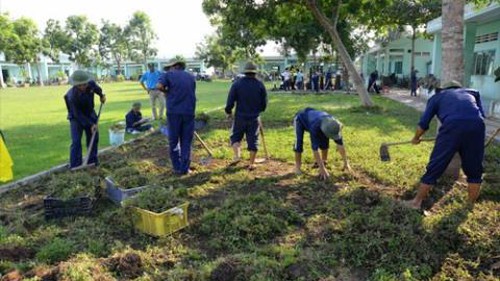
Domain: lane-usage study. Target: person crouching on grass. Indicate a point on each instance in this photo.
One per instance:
(322, 127)
(250, 97)
(135, 122)
(82, 116)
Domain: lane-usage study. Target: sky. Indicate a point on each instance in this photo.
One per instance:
(179, 24)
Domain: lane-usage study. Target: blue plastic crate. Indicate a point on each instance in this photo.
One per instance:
(117, 194)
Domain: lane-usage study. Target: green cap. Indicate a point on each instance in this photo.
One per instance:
(250, 67)
(331, 128)
(79, 77)
(174, 62)
(451, 84)
(136, 104)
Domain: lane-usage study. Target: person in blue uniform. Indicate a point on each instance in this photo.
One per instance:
(180, 87)
(372, 82)
(134, 121)
(462, 131)
(82, 116)
(250, 97)
(413, 82)
(322, 127)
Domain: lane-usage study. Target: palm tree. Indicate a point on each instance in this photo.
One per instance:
(453, 56)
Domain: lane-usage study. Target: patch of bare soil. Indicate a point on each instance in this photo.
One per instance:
(227, 270)
(16, 253)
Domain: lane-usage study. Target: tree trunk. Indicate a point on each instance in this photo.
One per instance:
(413, 39)
(2, 83)
(345, 74)
(453, 57)
(39, 69)
(342, 51)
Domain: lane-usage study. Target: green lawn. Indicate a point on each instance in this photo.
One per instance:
(268, 224)
(34, 122)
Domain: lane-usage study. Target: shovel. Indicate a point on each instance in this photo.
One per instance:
(91, 146)
(384, 148)
(207, 160)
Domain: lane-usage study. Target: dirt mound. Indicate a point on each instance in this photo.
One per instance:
(227, 270)
(12, 276)
(16, 253)
(128, 266)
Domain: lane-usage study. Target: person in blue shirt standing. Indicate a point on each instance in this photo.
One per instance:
(299, 80)
(250, 97)
(82, 116)
(322, 127)
(134, 121)
(413, 82)
(148, 81)
(462, 131)
(180, 87)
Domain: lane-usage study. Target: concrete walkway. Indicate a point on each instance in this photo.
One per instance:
(403, 96)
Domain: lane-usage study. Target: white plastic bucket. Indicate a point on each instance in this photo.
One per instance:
(116, 137)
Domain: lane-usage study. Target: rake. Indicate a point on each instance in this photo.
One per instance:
(384, 148)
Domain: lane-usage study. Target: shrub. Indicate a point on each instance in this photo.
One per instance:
(58, 250)
(120, 78)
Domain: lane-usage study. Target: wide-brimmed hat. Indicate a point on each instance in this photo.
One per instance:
(136, 104)
(331, 127)
(174, 62)
(450, 84)
(79, 77)
(250, 67)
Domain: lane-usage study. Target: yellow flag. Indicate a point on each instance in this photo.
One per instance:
(5, 163)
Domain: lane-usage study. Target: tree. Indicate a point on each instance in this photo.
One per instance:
(218, 55)
(82, 39)
(142, 36)
(113, 43)
(55, 39)
(248, 24)
(25, 44)
(243, 24)
(6, 38)
(331, 27)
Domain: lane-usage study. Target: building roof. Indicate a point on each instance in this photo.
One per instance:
(471, 14)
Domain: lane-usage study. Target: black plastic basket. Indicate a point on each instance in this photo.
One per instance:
(57, 208)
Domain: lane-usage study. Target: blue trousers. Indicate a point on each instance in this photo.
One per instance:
(246, 126)
(180, 138)
(465, 137)
(75, 156)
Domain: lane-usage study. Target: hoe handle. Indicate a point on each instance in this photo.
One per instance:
(203, 144)
(406, 142)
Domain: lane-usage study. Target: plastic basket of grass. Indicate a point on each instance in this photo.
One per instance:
(118, 194)
(158, 212)
(72, 201)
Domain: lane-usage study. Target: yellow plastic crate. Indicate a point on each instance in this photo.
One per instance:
(162, 224)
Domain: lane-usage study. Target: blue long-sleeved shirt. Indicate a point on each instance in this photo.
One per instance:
(181, 96)
(309, 120)
(151, 79)
(80, 105)
(131, 118)
(451, 105)
(250, 97)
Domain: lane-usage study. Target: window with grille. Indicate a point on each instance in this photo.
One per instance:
(398, 67)
(483, 62)
(489, 37)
